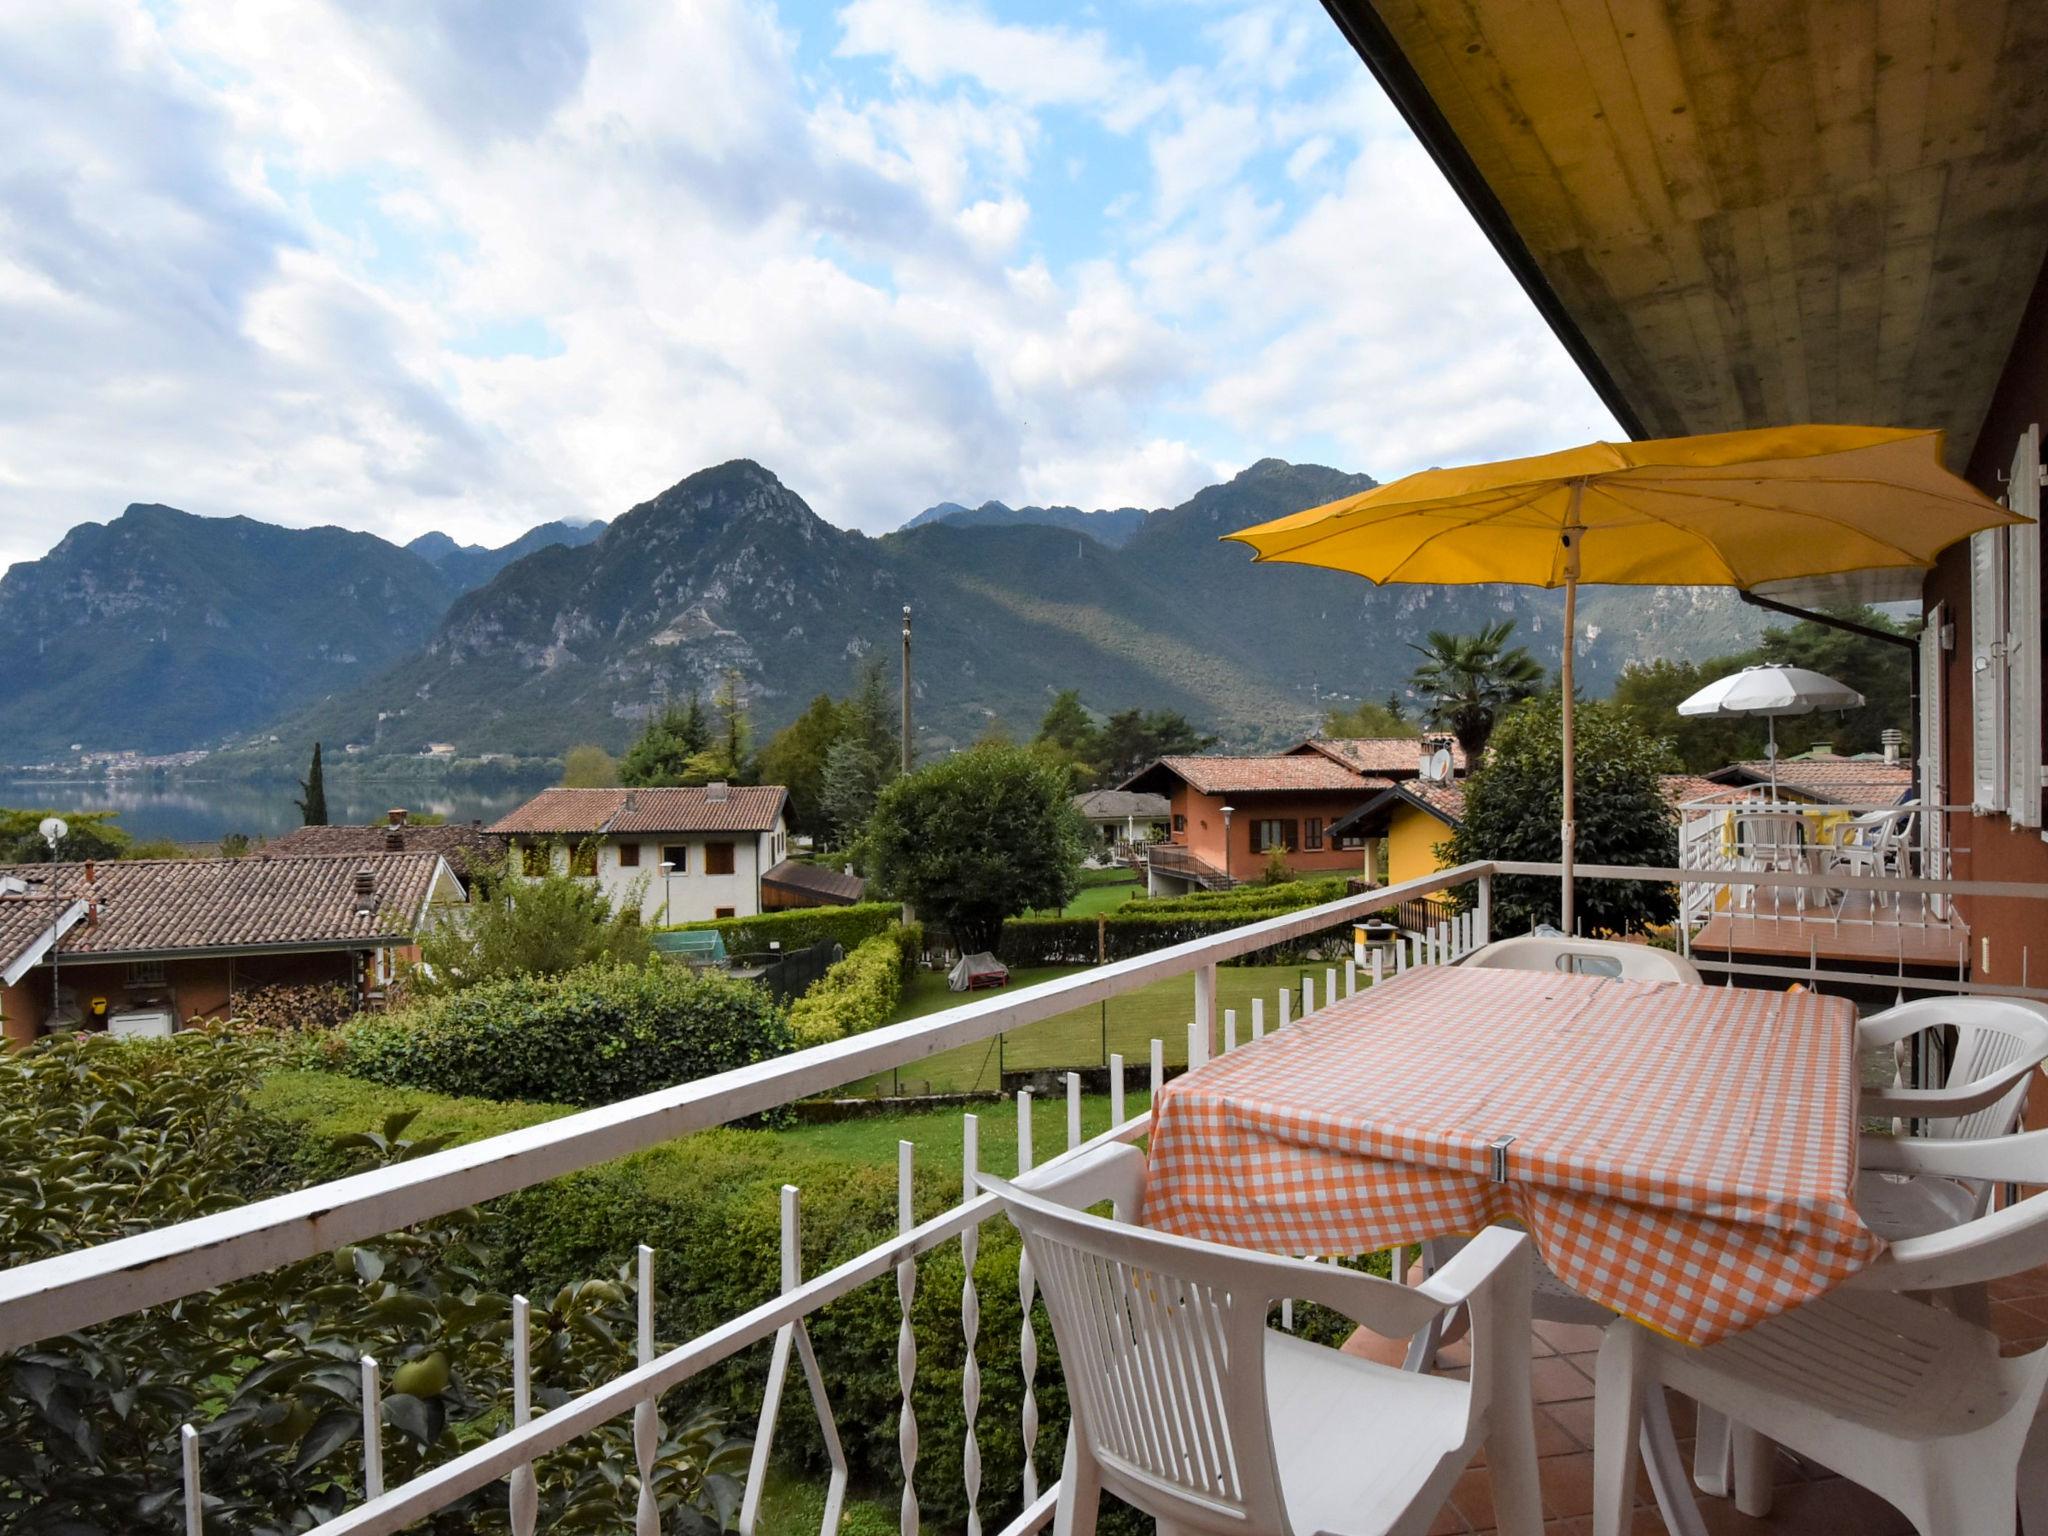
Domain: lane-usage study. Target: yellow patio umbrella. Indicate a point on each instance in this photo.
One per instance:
(1729, 509)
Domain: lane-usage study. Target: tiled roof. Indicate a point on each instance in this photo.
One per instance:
(1117, 804)
(1681, 787)
(1843, 780)
(1215, 775)
(1379, 754)
(814, 880)
(568, 812)
(1447, 800)
(25, 924)
(466, 848)
(145, 906)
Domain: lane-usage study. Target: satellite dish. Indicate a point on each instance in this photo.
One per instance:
(54, 829)
(1440, 766)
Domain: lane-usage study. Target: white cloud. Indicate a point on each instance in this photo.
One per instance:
(404, 265)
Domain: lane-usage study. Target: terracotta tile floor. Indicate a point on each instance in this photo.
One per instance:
(1810, 1500)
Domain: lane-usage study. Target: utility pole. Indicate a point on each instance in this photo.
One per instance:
(906, 688)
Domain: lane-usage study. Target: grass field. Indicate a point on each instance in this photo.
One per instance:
(1093, 899)
(1085, 1037)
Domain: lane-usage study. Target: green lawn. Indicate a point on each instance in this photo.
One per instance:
(1094, 899)
(1084, 1037)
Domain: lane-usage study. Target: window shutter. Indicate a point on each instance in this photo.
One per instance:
(2023, 633)
(1933, 782)
(1987, 671)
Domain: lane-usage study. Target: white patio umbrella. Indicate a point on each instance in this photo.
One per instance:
(1771, 692)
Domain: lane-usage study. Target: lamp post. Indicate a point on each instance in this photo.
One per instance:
(1226, 842)
(667, 893)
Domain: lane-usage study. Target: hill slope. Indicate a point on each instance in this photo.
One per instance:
(1113, 526)
(468, 566)
(729, 568)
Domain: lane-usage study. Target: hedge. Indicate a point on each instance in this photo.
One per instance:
(1074, 940)
(709, 1206)
(1292, 896)
(858, 994)
(593, 1036)
(800, 927)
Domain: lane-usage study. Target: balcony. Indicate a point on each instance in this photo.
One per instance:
(78, 1289)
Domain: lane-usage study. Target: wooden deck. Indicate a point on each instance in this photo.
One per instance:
(1852, 930)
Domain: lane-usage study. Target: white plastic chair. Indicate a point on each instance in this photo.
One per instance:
(1587, 957)
(1773, 841)
(1873, 844)
(1187, 1406)
(1999, 1044)
(1907, 1399)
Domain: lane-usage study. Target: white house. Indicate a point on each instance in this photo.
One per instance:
(682, 854)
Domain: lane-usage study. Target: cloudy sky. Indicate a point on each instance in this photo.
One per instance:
(473, 264)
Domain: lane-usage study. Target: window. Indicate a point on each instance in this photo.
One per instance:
(723, 912)
(677, 854)
(1312, 833)
(1350, 842)
(718, 859)
(146, 973)
(583, 860)
(629, 855)
(1270, 834)
(1180, 822)
(535, 859)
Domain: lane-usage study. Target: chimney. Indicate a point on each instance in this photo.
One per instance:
(366, 891)
(396, 816)
(1893, 738)
(394, 836)
(717, 792)
(1424, 747)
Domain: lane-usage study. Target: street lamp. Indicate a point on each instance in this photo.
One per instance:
(1226, 842)
(668, 910)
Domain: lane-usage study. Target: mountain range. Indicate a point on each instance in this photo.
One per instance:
(385, 649)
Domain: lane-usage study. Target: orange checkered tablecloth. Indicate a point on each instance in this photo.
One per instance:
(1685, 1155)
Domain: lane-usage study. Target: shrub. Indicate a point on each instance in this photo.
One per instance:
(1288, 897)
(595, 1036)
(801, 927)
(1141, 927)
(545, 925)
(858, 994)
(105, 1138)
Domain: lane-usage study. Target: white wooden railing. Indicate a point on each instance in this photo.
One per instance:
(79, 1289)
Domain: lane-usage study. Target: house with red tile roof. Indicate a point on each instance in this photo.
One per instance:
(149, 945)
(679, 854)
(467, 847)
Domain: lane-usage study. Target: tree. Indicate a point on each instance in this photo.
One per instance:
(1471, 680)
(794, 757)
(1514, 801)
(312, 801)
(1650, 693)
(727, 756)
(1367, 720)
(872, 720)
(672, 740)
(977, 838)
(88, 835)
(589, 766)
(1067, 726)
(1130, 739)
(516, 925)
(851, 780)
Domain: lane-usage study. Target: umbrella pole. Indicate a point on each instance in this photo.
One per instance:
(1771, 725)
(1569, 830)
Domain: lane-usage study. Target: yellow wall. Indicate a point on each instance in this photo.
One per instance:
(1412, 837)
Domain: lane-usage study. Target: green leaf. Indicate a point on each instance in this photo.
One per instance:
(330, 1432)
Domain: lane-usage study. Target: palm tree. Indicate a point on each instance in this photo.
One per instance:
(1471, 680)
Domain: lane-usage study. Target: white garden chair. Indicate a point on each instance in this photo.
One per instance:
(1587, 957)
(1999, 1045)
(1905, 1398)
(1188, 1407)
(1871, 845)
(1773, 842)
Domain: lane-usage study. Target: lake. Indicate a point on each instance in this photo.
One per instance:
(188, 811)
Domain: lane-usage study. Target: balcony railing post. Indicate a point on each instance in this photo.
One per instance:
(524, 1497)
(1482, 909)
(1205, 1013)
(188, 1456)
(646, 1417)
(373, 1430)
(970, 1306)
(1258, 1018)
(1229, 1030)
(906, 1340)
(1027, 1289)
(1158, 1069)
(1286, 1007)
(1073, 1110)
(1116, 1088)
